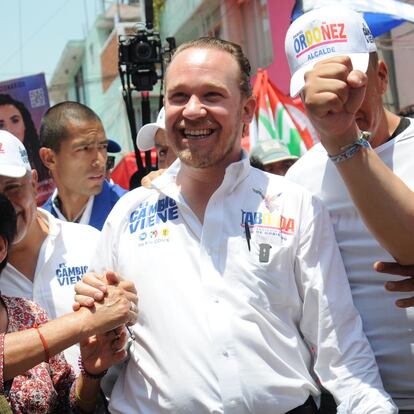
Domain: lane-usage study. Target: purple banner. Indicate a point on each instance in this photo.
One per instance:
(23, 101)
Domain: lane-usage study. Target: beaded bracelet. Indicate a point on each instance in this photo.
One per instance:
(351, 149)
(88, 374)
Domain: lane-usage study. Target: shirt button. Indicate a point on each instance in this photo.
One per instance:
(216, 300)
(225, 354)
(232, 403)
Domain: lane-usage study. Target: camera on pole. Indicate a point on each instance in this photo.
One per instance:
(141, 64)
(140, 53)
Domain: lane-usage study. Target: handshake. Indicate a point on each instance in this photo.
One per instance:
(108, 306)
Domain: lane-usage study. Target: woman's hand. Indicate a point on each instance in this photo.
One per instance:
(99, 352)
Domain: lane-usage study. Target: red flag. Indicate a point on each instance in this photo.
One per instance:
(280, 117)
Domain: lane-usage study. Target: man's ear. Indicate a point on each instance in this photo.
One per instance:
(47, 156)
(382, 73)
(3, 249)
(34, 182)
(248, 109)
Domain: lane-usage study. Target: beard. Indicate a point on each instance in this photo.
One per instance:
(204, 157)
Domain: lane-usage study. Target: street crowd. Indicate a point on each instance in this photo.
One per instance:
(229, 282)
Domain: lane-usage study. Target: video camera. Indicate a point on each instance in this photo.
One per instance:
(141, 63)
(140, 53)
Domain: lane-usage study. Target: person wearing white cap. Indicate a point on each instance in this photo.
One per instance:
(272, 157)
(74, 148)
(244, 302)
(362, 171)
(48, 256)
(153, 135)
(35, 376)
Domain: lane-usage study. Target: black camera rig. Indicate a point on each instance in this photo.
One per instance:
(140, 53)
(141, 64)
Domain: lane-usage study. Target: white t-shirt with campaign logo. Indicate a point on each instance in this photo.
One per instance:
(388, 328)
(63, 258)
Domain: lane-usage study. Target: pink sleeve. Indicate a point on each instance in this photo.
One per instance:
(2, 335)
(63, 377)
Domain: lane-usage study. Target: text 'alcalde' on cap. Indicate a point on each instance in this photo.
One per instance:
(14, 161)
(323, 33)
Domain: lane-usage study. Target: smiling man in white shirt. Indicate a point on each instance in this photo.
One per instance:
(244, 302)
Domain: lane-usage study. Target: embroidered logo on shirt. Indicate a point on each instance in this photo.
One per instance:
(148, 215)
(268, 220)
(153, 234)
(270, 201)
(149, 221)
(69, 275)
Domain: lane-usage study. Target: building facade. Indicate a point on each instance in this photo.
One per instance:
(88, 70)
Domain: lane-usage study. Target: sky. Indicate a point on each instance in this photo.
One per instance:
(34, 33)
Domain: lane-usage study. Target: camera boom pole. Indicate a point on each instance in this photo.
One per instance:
(145, 102)
(149, 14)
(126, 94)
(146, 119)
(138, 56)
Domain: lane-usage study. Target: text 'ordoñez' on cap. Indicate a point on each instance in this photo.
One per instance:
(323, 33)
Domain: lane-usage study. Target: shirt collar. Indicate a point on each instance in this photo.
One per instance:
(84, 218)
(234, 175)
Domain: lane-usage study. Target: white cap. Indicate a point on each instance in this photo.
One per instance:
(146, 135)
(14, 161)
(323, 33)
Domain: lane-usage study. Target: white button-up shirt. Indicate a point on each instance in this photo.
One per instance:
(228, 328)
